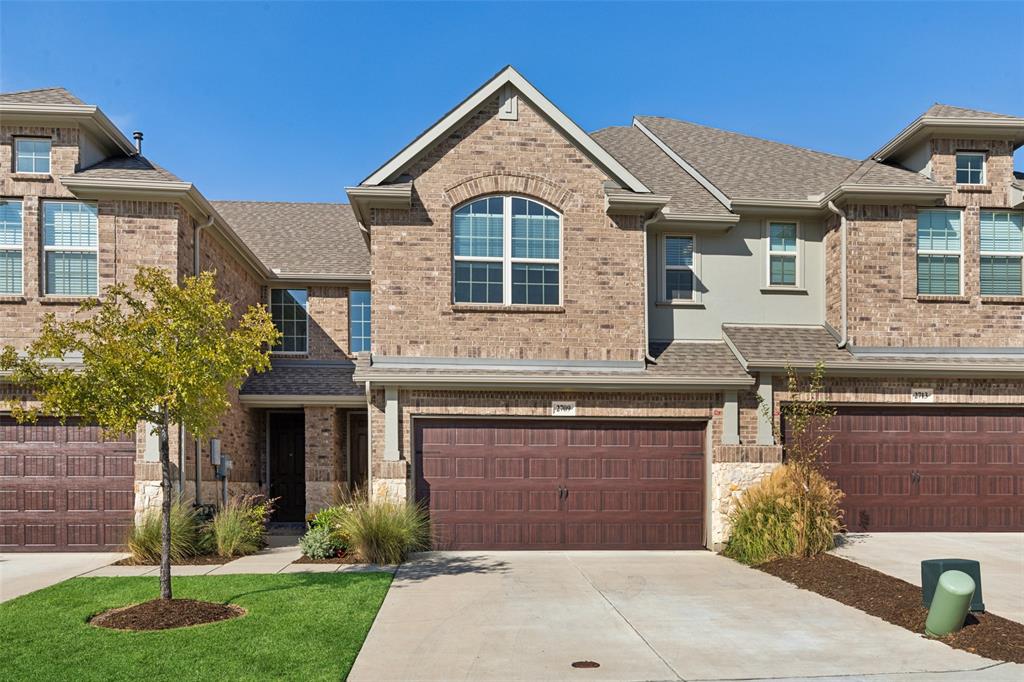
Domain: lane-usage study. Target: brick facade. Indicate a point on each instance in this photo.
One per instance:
(884, 306)
(602, 282)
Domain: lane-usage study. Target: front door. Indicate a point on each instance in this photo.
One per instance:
(288, 465)
(358, 453)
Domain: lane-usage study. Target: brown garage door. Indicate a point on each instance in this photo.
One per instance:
(562, 484)
(63, 487)
(929, 469)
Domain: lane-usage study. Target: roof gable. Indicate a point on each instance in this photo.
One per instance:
(506, 77)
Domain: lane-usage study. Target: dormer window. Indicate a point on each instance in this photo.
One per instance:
(970, 168)
(32, 155)
(507, 250)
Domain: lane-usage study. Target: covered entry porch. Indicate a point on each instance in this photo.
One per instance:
(315, 435)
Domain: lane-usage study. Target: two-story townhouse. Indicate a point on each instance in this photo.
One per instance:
(571, 332)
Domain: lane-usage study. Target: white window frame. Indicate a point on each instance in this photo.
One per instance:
(940, 252)
(1008, 254)
(19, 249)
(984, 167)
(664, 268)
(49, 156)
(506, 249)
(48, 249)
(350, 308)
(270, 309)
(796, 255)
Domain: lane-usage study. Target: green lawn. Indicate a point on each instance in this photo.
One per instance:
(300, 626)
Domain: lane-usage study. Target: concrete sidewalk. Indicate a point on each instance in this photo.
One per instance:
(24, 572)
(900, 554)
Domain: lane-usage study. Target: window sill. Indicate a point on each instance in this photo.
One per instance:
(942, 298)
(67, 300)
(985, 189)
(799, 291)
(501, 308)
(45, 177)
(288, 354)
(1006, 300)
(680, 304)
(12, 298)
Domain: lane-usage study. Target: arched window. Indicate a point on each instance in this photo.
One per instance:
(507, 250)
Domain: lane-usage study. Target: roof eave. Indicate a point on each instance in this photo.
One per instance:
(88, 115)
(568, 382)
(920, 126)
(629, 203)
(363, 198)
(850, 192)
(888, 369)
(299, 400)
(167, 190)
(695, 221)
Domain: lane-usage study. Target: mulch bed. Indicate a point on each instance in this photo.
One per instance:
(343, 559)
(897, 601)
(202, 560)
(164, 614)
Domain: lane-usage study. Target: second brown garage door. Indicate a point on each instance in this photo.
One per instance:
(929, 468)
(562, 484)
(64, 487)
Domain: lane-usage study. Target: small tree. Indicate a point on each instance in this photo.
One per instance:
(802, 430)
(157, 353)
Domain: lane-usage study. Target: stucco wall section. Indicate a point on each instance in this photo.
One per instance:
(602, 280)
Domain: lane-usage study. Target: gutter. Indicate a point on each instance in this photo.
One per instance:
(843, 318)
(197, 229)
(899, 369)
(480, 381)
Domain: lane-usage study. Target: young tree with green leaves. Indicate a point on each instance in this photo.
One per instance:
(156, 352)
(801, 428)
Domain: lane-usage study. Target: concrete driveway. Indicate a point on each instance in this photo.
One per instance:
(900, 554)
(21, 573)
(640, 615)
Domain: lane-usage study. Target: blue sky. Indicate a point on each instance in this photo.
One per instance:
(294, 101)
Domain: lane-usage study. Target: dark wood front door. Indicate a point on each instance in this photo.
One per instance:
(562, 484)
(929, 468)
(358, 452)
(64, 487)
(288, 464)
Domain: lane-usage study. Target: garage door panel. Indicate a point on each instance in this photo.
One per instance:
(64, 487)
(550, 484)
(941, 468)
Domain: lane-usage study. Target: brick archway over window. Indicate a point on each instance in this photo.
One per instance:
(509, 182)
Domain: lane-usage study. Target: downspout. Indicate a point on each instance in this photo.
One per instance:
(843, 319)
(647, 294)
(197, 446)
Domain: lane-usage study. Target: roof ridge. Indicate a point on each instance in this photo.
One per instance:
(752, 137)
(289, 203)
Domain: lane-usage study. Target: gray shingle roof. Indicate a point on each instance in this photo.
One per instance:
(40, 96)
(872, 172)
(127, 168)
(946, 111)
(300, 238)
(304, 377)
(744, 166)
(762, 345)
(767, 346)
(695, 360)
(647, 161)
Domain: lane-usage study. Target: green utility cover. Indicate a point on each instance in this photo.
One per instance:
(931, 569)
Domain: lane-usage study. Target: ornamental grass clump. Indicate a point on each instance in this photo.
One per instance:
(789, 513)
(385, 532)
(144, 538)
(238, 528)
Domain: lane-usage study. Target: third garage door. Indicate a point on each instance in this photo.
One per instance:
(929, 468)
(538, 484)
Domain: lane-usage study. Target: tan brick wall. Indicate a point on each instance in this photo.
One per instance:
(884, 308)
(896, 391)
(411, 252)
(998, 171)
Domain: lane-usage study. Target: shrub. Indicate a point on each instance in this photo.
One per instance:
(384, 532)
(793, 512)
(237, 528)
(319, 542)
(143, 539)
